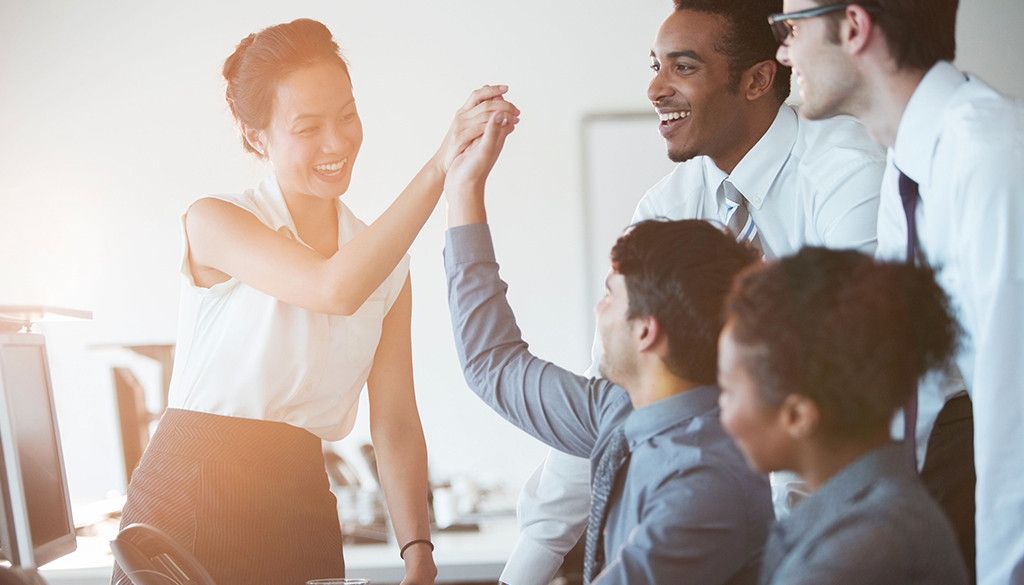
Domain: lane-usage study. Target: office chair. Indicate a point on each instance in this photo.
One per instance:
(149, 557)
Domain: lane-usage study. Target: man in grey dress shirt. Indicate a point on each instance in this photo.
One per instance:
(685, 507)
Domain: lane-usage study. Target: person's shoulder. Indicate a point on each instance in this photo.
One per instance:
(984, 125)
(977, 102)
(900, 506)
(836, 139)
(610, 399)
(828, 153)
(218, 207)
(894, 527)
(672, 190)
(686, 173)
(702, 447)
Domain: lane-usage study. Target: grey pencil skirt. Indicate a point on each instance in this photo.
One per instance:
(249, 498)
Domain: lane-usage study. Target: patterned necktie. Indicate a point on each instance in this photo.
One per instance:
(909, 194)
(611, 462)
(737, 217)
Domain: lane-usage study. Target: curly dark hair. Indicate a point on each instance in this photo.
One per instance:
(748, 40)
(852, 334)
(679, 272)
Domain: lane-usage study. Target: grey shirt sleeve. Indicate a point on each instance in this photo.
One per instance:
(551, 403)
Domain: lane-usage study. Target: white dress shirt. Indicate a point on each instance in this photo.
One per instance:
(963, 143)
(814, 183)
(241, 352)
(806, 183)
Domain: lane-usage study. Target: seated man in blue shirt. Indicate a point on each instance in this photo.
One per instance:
(673, 499)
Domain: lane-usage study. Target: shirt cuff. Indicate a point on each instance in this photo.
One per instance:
(466, 244)
(530, 564)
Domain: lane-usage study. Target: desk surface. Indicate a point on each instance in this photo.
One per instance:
(461, 557)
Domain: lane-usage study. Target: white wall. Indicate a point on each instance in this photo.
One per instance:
(112, 119)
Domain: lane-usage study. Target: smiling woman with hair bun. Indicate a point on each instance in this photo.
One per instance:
(289, 305)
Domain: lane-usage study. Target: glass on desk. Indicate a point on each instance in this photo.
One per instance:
(338, 582)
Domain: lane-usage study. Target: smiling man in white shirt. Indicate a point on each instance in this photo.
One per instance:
(719, 94)
(953, 197)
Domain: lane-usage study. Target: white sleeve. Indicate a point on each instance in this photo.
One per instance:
(988, 286)
(553, 510)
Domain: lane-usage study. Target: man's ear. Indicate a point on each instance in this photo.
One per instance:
(648, 333)
(800, 416)
(856, 30)
(758, 79)
(257, 139)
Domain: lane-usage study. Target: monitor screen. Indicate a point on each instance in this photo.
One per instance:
(31, 461)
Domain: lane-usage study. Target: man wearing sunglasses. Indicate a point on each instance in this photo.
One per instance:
(743, 155)
(953, 197)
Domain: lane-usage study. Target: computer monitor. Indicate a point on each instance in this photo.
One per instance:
(36, 526)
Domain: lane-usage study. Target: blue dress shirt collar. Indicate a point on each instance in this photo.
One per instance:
(645, 423)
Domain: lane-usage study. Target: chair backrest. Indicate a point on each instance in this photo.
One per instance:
(149, 557)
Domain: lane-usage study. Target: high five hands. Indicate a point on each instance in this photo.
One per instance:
(471, 120)
(467, 173)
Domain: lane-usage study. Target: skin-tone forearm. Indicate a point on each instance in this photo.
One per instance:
(466, 204)
(402, 465)
(398, 440)
(361, 265)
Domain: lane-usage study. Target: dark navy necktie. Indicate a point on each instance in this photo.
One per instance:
(611, 462)
(909, 194)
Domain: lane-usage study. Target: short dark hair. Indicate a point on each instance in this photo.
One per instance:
(920, 33)
(852, 334)
(679, 272)
(262, 59)
(748, 39)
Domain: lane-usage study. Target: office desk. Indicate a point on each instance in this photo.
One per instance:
(461, 557)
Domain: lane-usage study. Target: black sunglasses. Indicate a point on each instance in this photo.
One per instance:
(782, 23)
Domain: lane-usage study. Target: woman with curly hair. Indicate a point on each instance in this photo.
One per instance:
(819, 351)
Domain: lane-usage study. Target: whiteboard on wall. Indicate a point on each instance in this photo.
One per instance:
(623, 157)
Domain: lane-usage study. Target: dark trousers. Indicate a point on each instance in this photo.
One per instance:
(948, 472)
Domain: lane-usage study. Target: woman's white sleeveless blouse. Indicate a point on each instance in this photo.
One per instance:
(243, 353)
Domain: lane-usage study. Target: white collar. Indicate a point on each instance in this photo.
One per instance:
(757, 170)
(921, 124)
(271, 200)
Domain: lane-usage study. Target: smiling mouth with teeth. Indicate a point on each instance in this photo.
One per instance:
(669, 116)
(332, 169)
